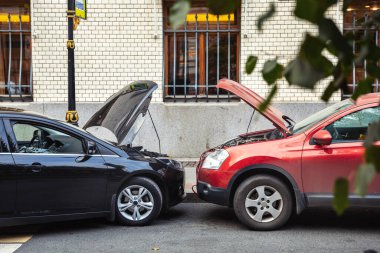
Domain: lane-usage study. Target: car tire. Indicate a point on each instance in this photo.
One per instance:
(138, 202)
(263, 203)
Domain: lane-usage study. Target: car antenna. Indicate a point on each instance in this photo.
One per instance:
(154, 126)
(250, 121)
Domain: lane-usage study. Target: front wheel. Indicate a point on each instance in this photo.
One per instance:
(263, 203)
(139, 202)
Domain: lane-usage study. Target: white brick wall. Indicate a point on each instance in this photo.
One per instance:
(280, 37)
(116, 45)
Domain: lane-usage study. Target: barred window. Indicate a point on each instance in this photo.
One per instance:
(15, 51)
(199, 53)
(357, 13)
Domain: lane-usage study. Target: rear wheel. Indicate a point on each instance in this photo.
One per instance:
(139, 202)
(263, 203)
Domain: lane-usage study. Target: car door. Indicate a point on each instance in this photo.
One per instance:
(322, 165)
(7, 177)
(55, 173)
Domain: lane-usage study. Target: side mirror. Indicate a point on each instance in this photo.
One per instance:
(322, 138)
(91, 148)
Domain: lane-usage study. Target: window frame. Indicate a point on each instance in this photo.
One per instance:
(15, 148)
(18, 95)
(202, 93)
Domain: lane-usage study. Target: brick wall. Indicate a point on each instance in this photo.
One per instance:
(114, 46)
(117, 45)
(281, 37)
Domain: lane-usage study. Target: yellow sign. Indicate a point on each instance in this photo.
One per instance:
(202, 17)
(81, 9)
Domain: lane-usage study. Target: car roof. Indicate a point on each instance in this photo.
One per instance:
(18, 111)
(368, 98)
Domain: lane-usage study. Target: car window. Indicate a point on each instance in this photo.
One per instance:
(35, 138)
(315, 118)
(3, 145)
(354, 126)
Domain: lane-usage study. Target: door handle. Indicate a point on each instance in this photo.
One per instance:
(36, 167)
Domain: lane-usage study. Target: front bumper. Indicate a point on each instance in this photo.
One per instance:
(175, 182)
(212, 194)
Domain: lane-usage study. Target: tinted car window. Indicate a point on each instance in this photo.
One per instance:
(34, 138)
(353, 127)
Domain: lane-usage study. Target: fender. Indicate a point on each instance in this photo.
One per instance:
(299, 197)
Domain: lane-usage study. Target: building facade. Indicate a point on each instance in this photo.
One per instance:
(127, 40)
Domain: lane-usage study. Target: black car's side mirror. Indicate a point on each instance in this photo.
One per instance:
(91, 148)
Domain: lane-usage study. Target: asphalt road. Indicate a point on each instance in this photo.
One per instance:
(201, 227)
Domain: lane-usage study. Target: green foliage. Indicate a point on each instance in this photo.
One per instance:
(364, 175)
(266, 16)
(250, 65)
(340, 202)
(272, 71)
(178, 13)
(264, 105)
(312, 10)
(363, 87)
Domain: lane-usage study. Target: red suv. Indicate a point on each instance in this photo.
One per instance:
(267, 175)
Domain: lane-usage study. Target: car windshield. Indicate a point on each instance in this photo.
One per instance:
(319, 116)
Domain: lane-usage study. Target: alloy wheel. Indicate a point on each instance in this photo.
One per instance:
(135, 202)
(264, 203)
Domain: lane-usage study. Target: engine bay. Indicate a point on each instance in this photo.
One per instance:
(272, 134)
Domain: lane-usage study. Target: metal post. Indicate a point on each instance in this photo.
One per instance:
(21, 52)
(354, 49)
(71, 114)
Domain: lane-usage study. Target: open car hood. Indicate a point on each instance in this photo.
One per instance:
(122, 115)
(254, 100)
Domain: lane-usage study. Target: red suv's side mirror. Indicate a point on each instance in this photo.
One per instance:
(322, 138)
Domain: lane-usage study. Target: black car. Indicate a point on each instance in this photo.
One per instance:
(53, 171)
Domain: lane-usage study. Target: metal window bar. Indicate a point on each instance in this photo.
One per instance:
(185, 67)
(206, 57)
(357, 30)
(195, 29)
(217, 53)
(8, 85)
(196, 57)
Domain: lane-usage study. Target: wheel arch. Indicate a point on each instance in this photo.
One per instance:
(267, 169)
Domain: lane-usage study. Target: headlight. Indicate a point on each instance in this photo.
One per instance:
(215, 159)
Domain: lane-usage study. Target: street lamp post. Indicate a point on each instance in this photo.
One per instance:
(71, 114)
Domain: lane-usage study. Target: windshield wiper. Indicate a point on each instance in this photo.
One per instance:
(288, 120)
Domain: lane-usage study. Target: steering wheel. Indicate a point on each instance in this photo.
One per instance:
(36, 141)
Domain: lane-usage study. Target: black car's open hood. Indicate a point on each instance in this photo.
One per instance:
(122, 115)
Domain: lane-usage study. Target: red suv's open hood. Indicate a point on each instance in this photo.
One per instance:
(254, 100)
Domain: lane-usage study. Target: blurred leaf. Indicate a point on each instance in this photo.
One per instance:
(178, 13)
(339, 82)
(300, 72)
(340, 202)
(312, 10)
(310, 66)
(364, 87)
(330, 34)
(372, 153)
(220, 7)
(250, 64)
(266, 16)
(373, 70)
(272, 71)
(264, 105)
(364, 176)
(333, 86)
